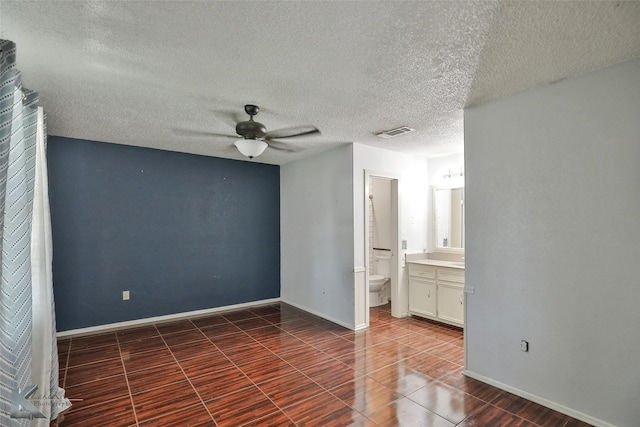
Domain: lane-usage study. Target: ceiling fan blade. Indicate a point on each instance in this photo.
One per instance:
(185, 132)
(291, 132)
(277, 145)
(231, 118)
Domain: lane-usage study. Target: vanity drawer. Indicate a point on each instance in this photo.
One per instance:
(451, 274)
(424, 271)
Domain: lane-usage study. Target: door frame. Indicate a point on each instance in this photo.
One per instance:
(396, 258)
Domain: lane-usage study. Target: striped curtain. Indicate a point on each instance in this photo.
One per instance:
(19, 144)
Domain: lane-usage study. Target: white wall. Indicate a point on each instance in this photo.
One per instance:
(441, 165)
(553, 243)
(413, 194)
(316, 220)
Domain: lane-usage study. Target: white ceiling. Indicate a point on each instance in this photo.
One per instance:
(138, 72)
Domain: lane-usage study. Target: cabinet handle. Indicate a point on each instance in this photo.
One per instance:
(461, 300)
(429, 293)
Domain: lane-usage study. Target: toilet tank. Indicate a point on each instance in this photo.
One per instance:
(382, 263)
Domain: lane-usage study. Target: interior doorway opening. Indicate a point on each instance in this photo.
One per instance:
(382, 245)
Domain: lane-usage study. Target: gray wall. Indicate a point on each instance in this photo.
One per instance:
(180, 232)
(317, 234)
(553, 242)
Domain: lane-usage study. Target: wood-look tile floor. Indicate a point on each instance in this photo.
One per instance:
(279, 366)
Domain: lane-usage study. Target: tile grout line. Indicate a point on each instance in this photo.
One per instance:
(126, 378)
(276, 355)
(516, 415)
(234, 365)
(253, 382)
(303, 374)
(293, 367)
(185, 374)
(72, 409)
(66, 364)
(315, 382)
(62, 384)
(175, 360)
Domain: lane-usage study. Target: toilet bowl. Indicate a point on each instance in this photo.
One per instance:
(379, 282)
(378, 290)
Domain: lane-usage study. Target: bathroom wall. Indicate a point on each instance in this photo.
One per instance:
(441, 165)
(317, 235)
(181, 232)
(553, 237)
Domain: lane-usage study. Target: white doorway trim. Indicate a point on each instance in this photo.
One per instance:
(396, 259)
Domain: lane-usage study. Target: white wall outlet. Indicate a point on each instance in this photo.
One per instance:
(125, 295)
(524, 345)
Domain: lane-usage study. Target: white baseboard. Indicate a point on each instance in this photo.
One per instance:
(150, 320)
(539, 400)
(315, 313)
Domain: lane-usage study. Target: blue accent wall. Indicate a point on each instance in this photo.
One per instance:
(181, 232)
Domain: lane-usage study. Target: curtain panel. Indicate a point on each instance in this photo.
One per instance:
(28, 354)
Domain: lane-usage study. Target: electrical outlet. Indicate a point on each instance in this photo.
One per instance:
(125, 295)
(524, 345)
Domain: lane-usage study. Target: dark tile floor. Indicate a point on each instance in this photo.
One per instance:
(278, 366)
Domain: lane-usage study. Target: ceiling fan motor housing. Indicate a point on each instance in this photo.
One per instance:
(251, 130)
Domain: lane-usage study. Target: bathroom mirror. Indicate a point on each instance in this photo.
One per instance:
(448, 205)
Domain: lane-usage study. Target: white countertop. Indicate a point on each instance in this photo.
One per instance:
(438, 263)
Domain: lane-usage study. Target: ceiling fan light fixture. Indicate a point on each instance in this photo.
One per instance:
(250, 147)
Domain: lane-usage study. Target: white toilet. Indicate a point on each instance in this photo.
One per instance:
(379, 282)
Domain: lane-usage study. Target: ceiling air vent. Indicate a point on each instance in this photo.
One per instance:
(395, 132)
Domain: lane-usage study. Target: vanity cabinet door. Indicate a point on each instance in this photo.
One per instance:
(422, 297)
(451, 302)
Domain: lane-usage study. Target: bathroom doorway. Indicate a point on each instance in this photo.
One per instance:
(382, 245)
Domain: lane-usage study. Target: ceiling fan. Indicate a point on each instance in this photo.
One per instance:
(255, 138)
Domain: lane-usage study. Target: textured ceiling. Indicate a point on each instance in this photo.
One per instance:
(139, 72)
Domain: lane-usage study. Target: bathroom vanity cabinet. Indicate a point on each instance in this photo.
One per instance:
(437, 292)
